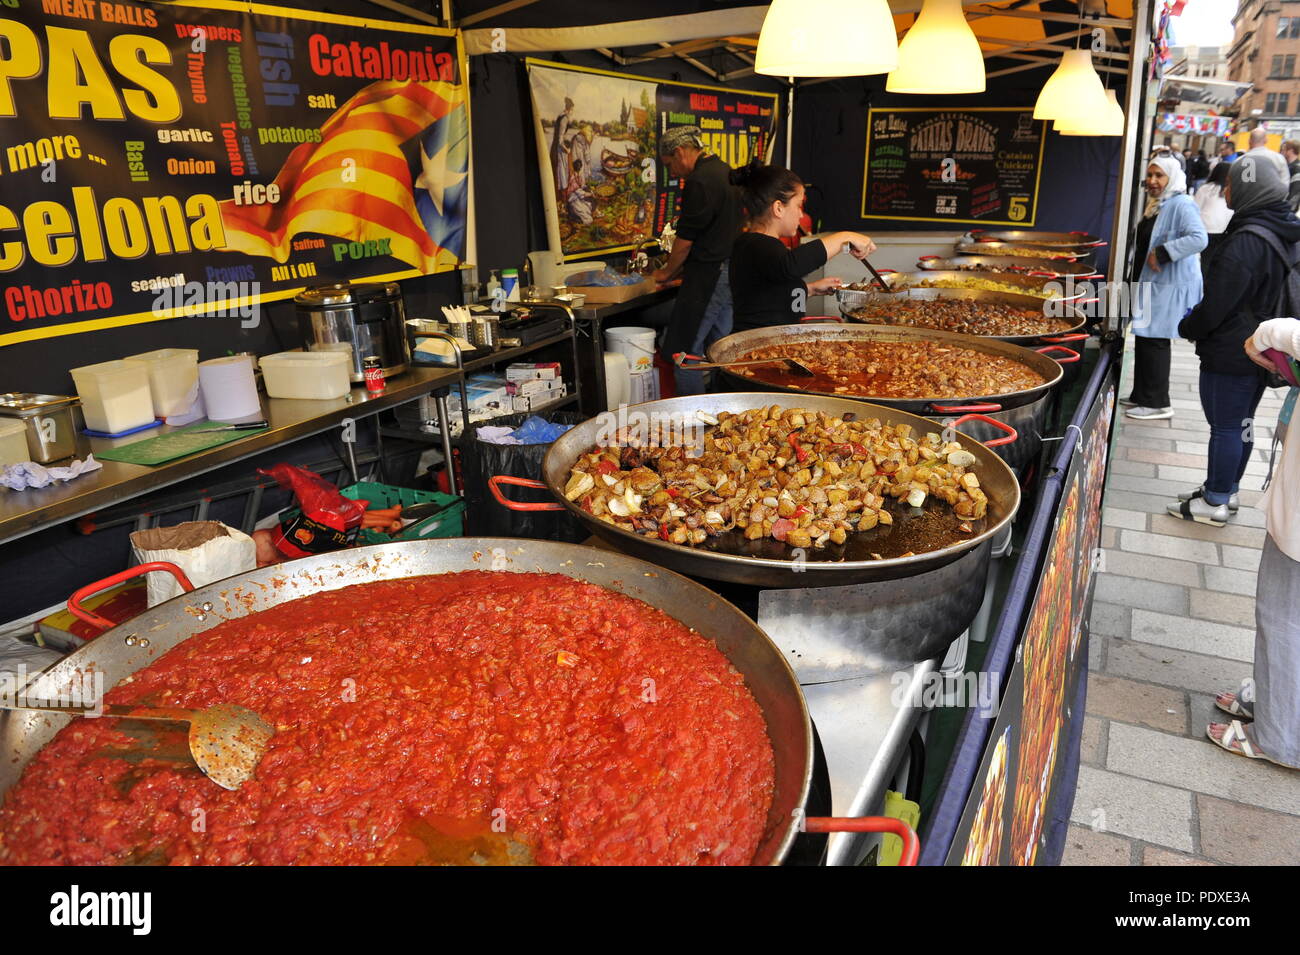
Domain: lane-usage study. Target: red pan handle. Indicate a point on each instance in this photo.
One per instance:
(928, 258)
(965, 409)
(822, 318)
(103, 623)
(495, 481)
(1012, 434)
(887, 271)
(1072, 337)
(1072, 355)
(911, 844)
(1044, 275)
(681, 356)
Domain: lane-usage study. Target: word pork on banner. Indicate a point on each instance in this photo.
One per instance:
(598, 136)
(153, 148)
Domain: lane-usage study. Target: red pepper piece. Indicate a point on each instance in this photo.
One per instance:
(663, 532)
(800, 453)
(606, 466)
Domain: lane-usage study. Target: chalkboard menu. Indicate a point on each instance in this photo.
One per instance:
(977, 166)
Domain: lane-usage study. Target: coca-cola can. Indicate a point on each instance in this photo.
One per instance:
(374, 375)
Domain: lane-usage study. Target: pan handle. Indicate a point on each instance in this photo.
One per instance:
(103, 623)
(1012, 434)
(679, 358)
(965, 409)
(822, 318)
(1039, 274)
(911, 844)
(927, 258)
(1071, 355)
(1072, 337)
(494, 485)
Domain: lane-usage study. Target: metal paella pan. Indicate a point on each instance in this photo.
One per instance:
(1035, 238)
(1072, 318)
(769, 563)
(1009, 264)
(1020, 283)
(122, 651)
(1024, 410)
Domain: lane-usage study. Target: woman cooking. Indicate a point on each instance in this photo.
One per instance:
(767, 285)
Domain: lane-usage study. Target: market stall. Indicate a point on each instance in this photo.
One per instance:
(433, 225)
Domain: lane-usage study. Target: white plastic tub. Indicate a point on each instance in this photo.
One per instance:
(13, 442)
(314, 375)
(173, 373)
(115, 395)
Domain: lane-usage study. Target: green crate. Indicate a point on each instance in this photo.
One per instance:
(448, 522)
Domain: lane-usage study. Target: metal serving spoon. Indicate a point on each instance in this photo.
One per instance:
(226, 741)
(792, 366)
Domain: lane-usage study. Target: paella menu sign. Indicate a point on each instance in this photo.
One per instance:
(1020, 788)
(598, 136)
(160, 160)
(978, 166)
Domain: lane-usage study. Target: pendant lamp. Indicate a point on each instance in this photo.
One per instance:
(1074, 92)
(827, 38)
(1110, 122)
(939, 54)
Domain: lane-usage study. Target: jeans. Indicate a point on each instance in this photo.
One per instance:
(1229, 402)
(715, 324)
(1150, 372)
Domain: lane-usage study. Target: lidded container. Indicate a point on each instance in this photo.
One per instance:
(307, 374)
(115, 395)
(363, 320)
(173, 372)
(13, 442)
(49, 422)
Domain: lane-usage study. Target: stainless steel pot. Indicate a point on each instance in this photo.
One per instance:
(122, 650)
(362, 320)
(52, 422)
(850, 299)
(1026, 411)
(779, 564)
(1072, 253)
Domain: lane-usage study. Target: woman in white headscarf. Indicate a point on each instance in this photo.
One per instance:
(1167, 261)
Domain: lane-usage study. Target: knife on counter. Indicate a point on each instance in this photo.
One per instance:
(248, 426)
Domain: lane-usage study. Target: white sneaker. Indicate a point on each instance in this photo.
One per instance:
(1234, 499)
(1127, 402)
(1198, 510)
(1149, 414)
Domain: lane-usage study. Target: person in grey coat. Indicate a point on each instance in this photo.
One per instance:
(1167, 262)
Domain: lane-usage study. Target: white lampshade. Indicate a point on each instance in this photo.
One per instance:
(1109, 122)
(827, 38)
(939, 54)
(1073, 88)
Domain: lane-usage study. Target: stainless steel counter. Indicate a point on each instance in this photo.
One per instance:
(24, 512)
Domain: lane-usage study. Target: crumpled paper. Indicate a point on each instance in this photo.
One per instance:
(493, 434)
(18, 477)
(534, 430)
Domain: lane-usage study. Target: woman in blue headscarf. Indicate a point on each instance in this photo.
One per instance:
(1167, 262)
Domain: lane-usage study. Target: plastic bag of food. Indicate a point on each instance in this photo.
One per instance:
(205, 550)
(326, 520)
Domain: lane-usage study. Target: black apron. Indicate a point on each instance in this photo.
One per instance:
(699, 279)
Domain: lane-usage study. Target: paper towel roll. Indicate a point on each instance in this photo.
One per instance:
(617, 381)
(229, 388)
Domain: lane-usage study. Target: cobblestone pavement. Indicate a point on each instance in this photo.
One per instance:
(1173, 622)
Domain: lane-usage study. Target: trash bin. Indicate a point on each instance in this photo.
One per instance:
(479, 460)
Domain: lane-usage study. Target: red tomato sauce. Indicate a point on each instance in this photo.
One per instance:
(417, 719)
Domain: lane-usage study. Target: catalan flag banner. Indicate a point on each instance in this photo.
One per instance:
(159, 160)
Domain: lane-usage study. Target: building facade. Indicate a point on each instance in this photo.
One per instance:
(1264, 53)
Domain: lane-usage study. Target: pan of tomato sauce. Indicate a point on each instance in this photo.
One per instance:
(469, 701)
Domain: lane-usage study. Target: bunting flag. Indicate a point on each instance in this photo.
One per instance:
(359, 183)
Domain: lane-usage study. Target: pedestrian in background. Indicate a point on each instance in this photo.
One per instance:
(1167, 261)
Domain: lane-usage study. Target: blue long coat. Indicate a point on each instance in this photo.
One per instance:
(1176, 288)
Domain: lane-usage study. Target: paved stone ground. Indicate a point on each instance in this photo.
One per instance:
(1172, 624)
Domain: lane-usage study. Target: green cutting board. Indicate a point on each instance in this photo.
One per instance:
(174, 444)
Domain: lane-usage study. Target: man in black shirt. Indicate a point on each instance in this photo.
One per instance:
(708, 225)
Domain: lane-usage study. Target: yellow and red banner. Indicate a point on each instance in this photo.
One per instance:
(148, 147)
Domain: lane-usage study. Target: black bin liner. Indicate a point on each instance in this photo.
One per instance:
(480, 460)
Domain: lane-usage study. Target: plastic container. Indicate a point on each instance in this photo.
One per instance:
(618, 380)
(13, 442)
(447, 522)
(636, 344)
(173, 373)
(115, 395)
(316, 375)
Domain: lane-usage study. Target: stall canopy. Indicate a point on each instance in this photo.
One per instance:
(719, 38)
